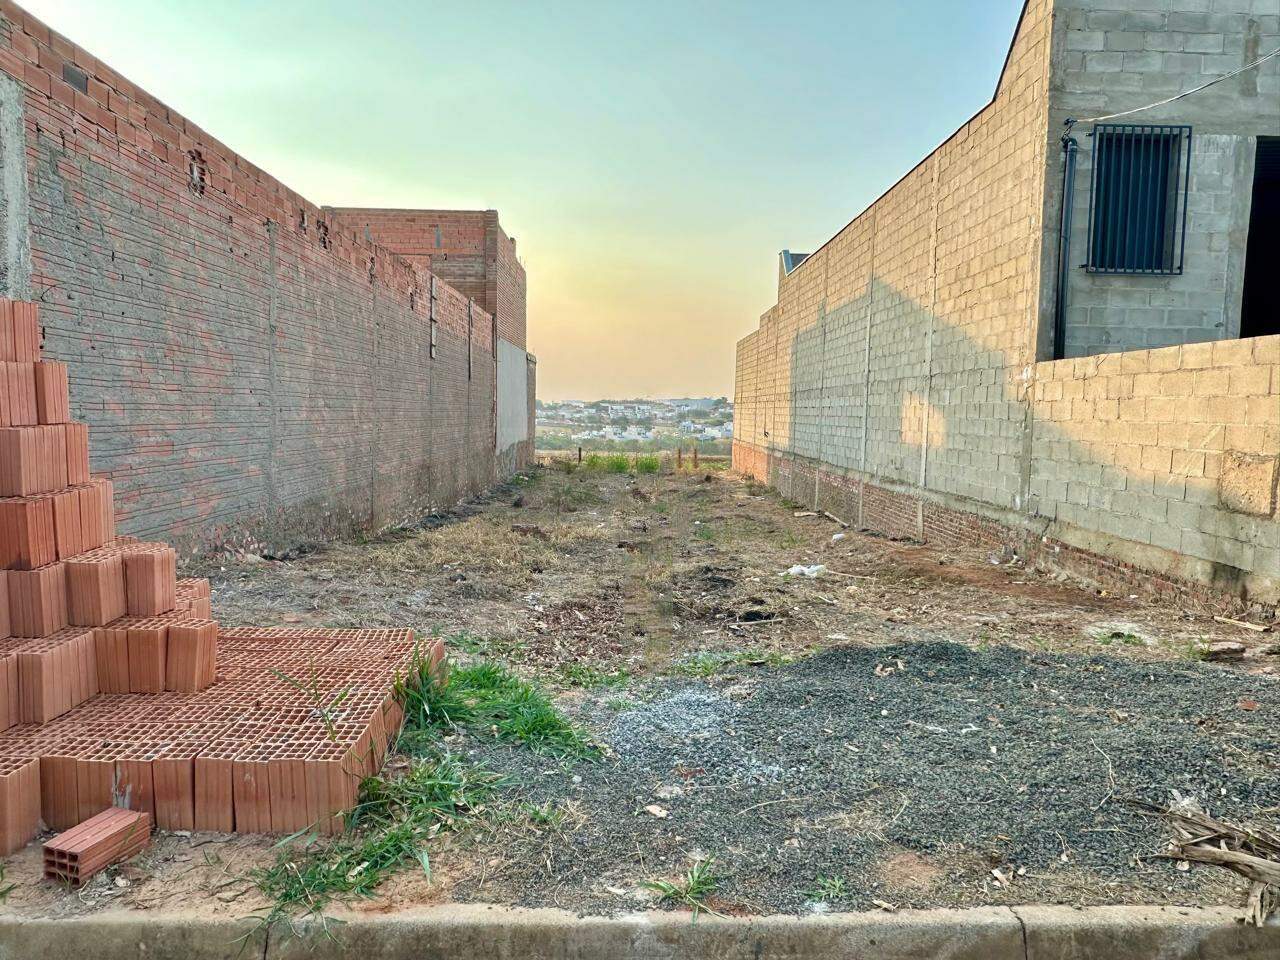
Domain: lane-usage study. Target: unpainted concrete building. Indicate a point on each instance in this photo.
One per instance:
(255, 368)
(1060, 338)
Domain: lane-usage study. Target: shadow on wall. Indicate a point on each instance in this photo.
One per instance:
(918, 403)
(1165, 459)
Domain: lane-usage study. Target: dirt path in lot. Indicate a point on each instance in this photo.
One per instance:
(645, 574)
(893, 730)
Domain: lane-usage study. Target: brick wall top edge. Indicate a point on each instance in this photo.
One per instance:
(412, 211)
(479, 218)
(234, 176)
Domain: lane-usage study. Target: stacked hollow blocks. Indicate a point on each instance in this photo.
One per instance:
(116, 687)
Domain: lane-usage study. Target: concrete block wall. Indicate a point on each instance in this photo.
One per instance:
(468, 249)
(1115, 55)
(898, 348)
(253, 370)
(1172, 451)
(899, 381)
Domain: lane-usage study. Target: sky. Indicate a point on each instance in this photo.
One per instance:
(651, 157)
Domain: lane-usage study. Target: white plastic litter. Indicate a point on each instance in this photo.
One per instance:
(800, 570)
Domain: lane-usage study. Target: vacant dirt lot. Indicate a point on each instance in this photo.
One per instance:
(909, 727)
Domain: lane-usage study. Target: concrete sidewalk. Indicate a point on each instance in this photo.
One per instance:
(469, 932)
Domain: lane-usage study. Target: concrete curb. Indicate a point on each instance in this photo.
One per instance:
(463, 932)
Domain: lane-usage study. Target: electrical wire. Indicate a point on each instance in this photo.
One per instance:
(1187, 93)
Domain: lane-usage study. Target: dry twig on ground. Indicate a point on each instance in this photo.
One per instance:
(1251, 851)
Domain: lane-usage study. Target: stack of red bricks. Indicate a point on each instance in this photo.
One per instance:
(295, 719)
(68, 584)
(116, 687)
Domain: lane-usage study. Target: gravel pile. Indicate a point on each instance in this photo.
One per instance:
(910, 773)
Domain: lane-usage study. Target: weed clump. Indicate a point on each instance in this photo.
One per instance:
(709, 663)
(607, 463)
(828, 889)
(691, 890)
(390, 826)
(398, 814)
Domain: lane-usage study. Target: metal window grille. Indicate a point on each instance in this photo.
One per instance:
(1138, 198)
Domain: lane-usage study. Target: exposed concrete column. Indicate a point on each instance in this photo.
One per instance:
(822, 391)
(15, 220)
(375, 433)
(928, 351)
(273, 423)
(866, 374)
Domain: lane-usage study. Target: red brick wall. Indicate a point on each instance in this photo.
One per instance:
(468, 249)
(246, 377)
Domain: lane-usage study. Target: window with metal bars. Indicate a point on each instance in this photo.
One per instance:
(1138, 198)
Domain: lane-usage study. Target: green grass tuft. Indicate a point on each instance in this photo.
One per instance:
(397, 815)
(591, 678)
(486, 697)
(391, 825)
(712, 662)
(607, 462)
(547, 815)
(827, 889)
(649, 464)
(691, 890)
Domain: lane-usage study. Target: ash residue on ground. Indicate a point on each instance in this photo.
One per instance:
(909, 772)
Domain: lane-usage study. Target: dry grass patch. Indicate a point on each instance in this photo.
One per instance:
(486, 545)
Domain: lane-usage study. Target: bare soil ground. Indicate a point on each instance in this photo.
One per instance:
(912, 727)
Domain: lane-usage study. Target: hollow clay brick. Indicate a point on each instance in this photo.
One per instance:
(95, 588)
(75, 444)
(109, 837)
(27, 532)
(37, 600)
(18, 402)
(150, 578)
(52, 397)
(19, 802)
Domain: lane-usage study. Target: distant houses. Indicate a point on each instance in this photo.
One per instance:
(692, 419)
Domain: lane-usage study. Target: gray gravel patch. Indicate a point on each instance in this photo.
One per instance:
(910, 772)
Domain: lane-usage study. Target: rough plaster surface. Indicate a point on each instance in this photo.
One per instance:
(15, 259)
